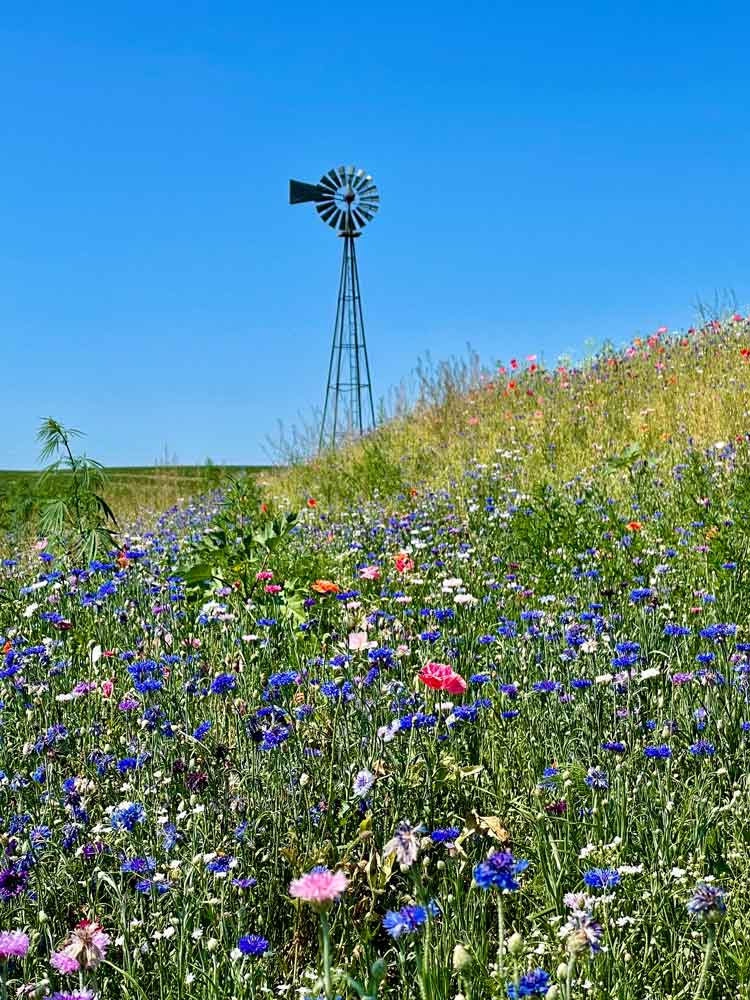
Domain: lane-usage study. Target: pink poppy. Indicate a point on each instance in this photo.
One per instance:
(441, 677)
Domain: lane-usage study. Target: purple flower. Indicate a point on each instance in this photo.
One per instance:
(13, 944)
(708, 902)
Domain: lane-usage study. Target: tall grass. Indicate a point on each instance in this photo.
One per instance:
(660, 394)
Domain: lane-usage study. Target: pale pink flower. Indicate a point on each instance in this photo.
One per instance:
(357, 640)
(13, 944)
(319, 887)
(370, 573)
(41, 545)
(85, 947)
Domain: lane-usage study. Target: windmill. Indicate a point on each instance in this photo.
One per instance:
(346, 198)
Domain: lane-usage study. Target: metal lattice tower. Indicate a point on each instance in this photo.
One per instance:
(347, 199)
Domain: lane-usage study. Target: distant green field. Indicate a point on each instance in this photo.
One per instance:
(128, 489)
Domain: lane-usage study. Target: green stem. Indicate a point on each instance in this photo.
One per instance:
(569, 976)
(326, 955)
(706, 962)
(500, 938)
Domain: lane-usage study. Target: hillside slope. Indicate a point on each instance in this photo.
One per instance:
(658, 396)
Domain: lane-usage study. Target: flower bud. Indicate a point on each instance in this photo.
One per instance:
(461, 958)
(515, 944)
(552, 993)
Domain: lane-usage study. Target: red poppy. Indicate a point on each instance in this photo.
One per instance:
(403, 562)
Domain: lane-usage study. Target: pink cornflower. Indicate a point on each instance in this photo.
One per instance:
(358, 640)
(13, 944)
(370, 573)
(64, 963)
(264, 574)
(441, 677)
(272, 588)
(84, 949)
(107, 688)
(319, 887)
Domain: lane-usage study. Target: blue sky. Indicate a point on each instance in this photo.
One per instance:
(551, 176)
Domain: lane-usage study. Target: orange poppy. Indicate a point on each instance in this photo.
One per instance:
(634, 525)
(325, 587)
(312, 502)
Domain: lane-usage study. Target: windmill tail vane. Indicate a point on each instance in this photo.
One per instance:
(346, 199)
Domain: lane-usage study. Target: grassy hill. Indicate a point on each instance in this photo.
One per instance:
(659, 396)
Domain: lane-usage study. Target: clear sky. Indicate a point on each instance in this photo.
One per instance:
(551, 175)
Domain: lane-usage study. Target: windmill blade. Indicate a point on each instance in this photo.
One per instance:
(326, 211)
(300, 192)
(359, 218)
(327, 184)
(334, 178)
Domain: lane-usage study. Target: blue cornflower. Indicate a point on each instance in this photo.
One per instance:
(282, 679)
(499, 871)
(703, 749)
(597, 779)
(445, 836)
(139, 866)
(126, 817)
(676, 630)
(614, 746)
(170, 836)
(221, 864)
(148, 885)
(546, 687)
(201, 730)
(253, 944)
(662, 751)
(407, 920)
(641, 594)
(532, 984)
(223, 684)
(602, 878)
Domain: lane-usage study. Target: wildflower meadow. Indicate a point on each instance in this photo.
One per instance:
(462, 715)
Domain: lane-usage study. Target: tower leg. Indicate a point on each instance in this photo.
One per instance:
(348, 409)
